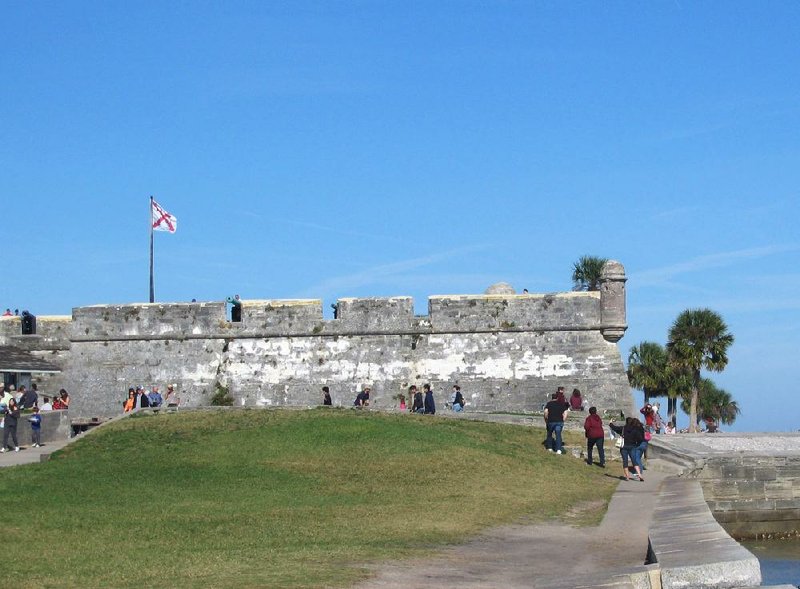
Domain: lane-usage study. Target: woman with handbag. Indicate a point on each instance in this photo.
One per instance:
(632, 436)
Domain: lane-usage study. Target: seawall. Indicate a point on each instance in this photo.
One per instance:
(751, 482)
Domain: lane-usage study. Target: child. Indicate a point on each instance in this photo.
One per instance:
(36, 428)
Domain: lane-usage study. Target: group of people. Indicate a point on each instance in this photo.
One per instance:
(13, 403)
(421, 401)
(555, 413)
(633, 438)
(634, 446)
(634, 434)
(139, 398)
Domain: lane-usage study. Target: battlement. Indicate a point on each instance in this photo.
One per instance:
(262, 318)
(281, 318)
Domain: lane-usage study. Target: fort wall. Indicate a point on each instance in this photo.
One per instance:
(508, 352)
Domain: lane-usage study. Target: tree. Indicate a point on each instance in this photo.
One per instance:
(586, 273)
(698, 339)
(647, 369)
(714, 403)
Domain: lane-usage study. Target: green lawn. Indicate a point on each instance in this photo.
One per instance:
(271, 498)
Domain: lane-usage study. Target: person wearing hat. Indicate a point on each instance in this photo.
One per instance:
(172, 399)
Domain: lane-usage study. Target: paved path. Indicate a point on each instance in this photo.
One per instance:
(31, 455)
(523, 555)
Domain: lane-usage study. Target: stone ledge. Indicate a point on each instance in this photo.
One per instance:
(691, 548)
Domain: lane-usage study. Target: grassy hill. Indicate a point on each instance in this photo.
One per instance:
(273, 498)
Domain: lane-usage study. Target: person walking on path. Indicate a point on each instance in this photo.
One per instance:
(555, 412)
(593, 426)
(632, 436)
(10, 421)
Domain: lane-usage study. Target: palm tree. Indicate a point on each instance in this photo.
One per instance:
(647, 369)
(586, 273)
(714, 402)
(698, 339)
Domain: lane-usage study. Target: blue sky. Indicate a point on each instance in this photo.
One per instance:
(332, 149)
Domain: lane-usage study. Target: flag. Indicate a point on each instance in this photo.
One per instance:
(162, 220)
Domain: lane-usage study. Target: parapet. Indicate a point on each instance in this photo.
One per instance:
(271, 317)
(566, 311)
(504, 312)
(375, 315)
(52, 333)
(146, 320)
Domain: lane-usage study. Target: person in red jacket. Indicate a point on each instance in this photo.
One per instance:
(593, 426)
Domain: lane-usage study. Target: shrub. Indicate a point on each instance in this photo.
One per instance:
(222, 397)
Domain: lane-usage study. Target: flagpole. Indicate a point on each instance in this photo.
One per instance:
(150, 222)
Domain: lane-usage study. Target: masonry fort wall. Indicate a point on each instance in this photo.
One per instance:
(508, 352)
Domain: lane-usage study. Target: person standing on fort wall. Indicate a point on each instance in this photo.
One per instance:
(236, 308)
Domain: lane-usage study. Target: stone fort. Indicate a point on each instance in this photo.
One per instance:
(508, 352)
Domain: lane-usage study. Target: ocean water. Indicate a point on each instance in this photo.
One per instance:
(780, 560)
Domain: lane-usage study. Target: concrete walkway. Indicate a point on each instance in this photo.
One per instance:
(541, 555)
(31, 455)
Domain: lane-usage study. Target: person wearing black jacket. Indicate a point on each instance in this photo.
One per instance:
(429, 404)
(417, 405)
(11, 417)
(632, 435)
(144, 400)
(27, 399)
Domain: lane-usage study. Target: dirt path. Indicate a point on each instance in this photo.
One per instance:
(516, 556)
